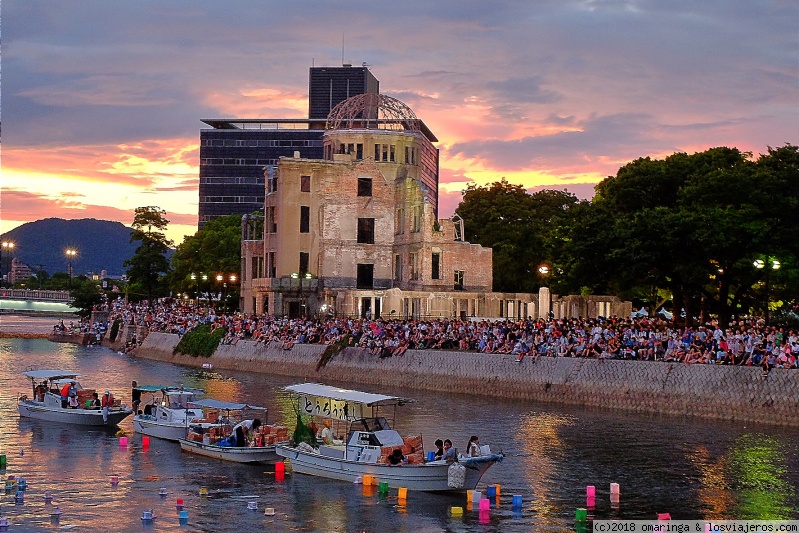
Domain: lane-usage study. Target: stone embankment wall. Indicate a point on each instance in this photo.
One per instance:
(711, 391)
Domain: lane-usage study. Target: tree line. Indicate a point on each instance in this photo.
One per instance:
(702, 231)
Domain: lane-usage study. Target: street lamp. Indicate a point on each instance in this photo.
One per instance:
(71, 253)
(7, 247)
(768, 265)
(308, 276)
(196, 278)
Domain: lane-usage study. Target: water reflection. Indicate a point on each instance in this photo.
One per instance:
(689, 468)
(757, 469)
(713, 492)
(539, 434)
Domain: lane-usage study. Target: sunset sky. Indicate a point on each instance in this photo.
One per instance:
(102, 100)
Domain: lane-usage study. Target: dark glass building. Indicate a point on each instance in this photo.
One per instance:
(234, 152)
(328, 86)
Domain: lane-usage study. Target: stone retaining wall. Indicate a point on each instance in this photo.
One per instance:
(722, 392)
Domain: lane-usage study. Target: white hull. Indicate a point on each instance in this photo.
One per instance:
(83, 417)
(162, 430)
(431, 477)
(246, 454)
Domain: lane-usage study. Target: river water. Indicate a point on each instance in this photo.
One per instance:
(692, 469)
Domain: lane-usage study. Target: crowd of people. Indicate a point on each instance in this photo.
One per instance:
(746, 342)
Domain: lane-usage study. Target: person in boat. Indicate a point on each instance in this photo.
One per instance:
(329, 437)
(65, 394)
(135, 397)
(396, 457)
(40, 391)
(107, 402)
(439, 453)
(450, 455)
(95, 401)
(473, 448)
(244, 430)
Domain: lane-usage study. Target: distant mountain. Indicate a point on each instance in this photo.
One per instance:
(101, 245)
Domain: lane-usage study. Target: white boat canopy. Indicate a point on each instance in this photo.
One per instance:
(230, 406)
(346, 395)
(50, 374)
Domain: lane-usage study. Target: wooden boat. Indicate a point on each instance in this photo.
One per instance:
(370, 440)
(168, 413)
(45, 402)
(214, 439)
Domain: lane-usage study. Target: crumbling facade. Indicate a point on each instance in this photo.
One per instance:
(356, 233)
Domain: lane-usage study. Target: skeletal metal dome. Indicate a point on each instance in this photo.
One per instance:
(375, 111)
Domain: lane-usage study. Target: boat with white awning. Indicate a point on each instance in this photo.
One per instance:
(169, 411)
(45, 401)
(370, 439)
(218, 440)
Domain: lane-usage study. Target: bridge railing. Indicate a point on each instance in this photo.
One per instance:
(41, 295)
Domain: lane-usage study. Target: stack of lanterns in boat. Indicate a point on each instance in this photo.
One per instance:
(268, 435)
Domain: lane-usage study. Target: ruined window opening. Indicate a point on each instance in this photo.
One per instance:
(435, 262)
(304, 260)
(364, 186)
(305, 183)
(359, 151)
(366, 274)
(366, 231)
(305, 219)
(417, 219)
(458, 278)
(391, 153)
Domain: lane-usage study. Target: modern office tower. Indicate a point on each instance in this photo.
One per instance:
(234, 152)
(328, 86)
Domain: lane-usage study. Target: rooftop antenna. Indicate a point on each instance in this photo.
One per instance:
(342, 47)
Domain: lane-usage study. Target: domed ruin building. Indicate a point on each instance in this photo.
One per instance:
(356, 233)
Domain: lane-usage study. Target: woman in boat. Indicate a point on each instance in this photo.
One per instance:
(439, 453)
(396, 457)
(450, 455)
(244, 430)
(473, 448)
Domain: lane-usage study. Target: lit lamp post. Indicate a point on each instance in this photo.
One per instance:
(196, 279)
(71, 253)
(232, 279)
(308, 276)
(8, 248)
(769, 265)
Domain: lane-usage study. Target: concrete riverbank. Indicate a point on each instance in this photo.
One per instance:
(711, 391)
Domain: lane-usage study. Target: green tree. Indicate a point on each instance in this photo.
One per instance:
(149, 263)
(213, 250)
(84, 296)
(692, 224)
(523, 230)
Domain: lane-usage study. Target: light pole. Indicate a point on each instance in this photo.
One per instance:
(196, 279)
(769, 264)
(8, 248)
(308, 276)
(71, 253)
